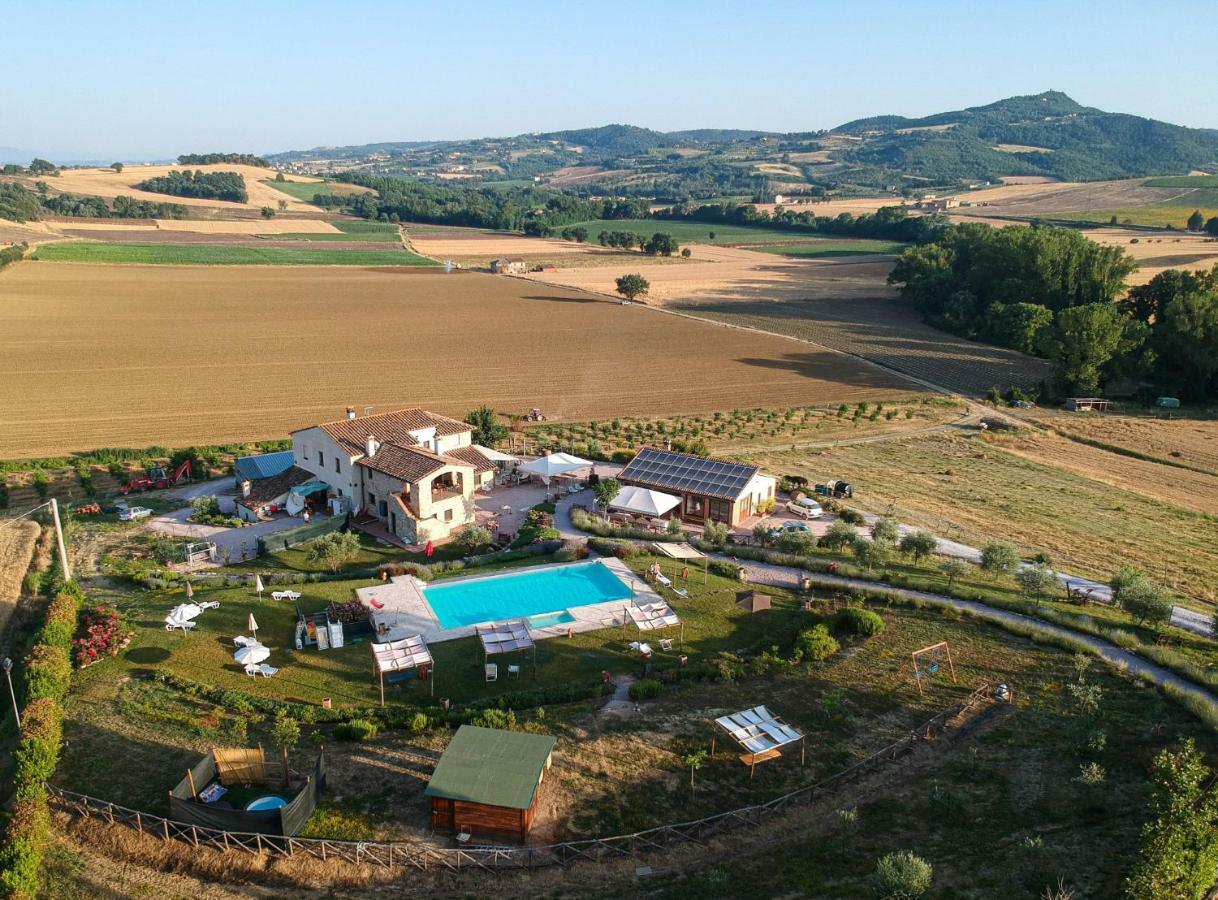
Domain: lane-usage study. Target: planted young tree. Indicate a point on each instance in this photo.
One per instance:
(472, 538)
(694, 760)
(999, 559)
(1036, 581)
(918, 544)
(632, 286)
(761, 534)
(870, 554)
(488, 430)
(286, 734)
(1146, 601)
(334, 550)
(839, 536)
(268, 212)
(901, 876)
(606, 490)
(953, 569)
(715, 533)
(117, 167)
(1196, 221)
(1180, 844)
(885, 530)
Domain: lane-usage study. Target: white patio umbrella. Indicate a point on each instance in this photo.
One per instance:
(634, 499)
(252, 654)
(253, 626)
(190, 591)
(554, 464)
(258, 585)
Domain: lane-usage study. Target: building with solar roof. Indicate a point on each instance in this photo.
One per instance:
(709, 488)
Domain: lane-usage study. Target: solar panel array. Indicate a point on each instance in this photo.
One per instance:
(689, 474)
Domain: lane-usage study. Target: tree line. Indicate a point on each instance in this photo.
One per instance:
(1054, 293)
(120, 208)
(892, 223)
(516, 209)
(198, 184)
(232, 159)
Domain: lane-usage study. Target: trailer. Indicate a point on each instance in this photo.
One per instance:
(835, 489)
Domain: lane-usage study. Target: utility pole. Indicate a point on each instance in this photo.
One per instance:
(63, 548)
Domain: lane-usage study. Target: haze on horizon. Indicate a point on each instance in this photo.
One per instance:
(138, 80)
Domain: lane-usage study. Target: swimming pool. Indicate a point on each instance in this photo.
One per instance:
(531, 595)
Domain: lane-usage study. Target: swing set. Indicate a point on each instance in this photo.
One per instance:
(926, 662)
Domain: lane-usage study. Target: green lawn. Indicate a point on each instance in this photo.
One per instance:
(810, 250)
(220, 255)
(699, 232)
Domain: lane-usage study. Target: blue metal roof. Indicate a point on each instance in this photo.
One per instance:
(266, 465)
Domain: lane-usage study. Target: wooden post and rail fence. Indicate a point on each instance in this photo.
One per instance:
(418, 856)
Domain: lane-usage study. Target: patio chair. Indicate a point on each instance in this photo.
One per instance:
(267, 670)
(514, 670)
(285, 595)
(176, 623)
(492, 671)
(665, 644)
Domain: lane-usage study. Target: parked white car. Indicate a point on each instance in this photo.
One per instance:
(805, 507)
(131, 513)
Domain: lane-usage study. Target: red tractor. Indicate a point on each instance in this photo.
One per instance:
(158, 477)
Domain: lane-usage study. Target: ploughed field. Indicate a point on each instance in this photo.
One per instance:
(105, 355)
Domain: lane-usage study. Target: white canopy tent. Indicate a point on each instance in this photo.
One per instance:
(399, 656)
(554, 464)
(683, 553)
(644, 501)
(496, 456)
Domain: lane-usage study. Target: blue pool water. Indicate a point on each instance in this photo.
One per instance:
(524, 594)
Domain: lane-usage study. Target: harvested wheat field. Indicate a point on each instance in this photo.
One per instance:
(207, 226)
(842, 303)
(108, 183)
(974, 490)
(116, 355)
(1188, 442)
(1156, 252)
(476, 249)
(17, 539)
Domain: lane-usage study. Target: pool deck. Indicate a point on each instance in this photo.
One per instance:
(405, 611)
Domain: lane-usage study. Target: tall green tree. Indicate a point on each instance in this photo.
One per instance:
(605, 491)
(632, 286)
(1185, 343)
(1196, 221)
(488, 430)
(1180, 844)
(1084, 340)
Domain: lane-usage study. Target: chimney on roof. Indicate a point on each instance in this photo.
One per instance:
(350, 412)
(372, 446)
(245, 488)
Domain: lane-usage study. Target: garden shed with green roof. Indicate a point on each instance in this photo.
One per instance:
(487, 783)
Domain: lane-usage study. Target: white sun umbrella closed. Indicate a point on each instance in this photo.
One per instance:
(253, 626)
(634, 499)
(258, 585)
(252, 654)
(554, 464)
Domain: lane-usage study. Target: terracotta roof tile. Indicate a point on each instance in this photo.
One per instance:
(408, 463)
(390, 428)
(472, 456)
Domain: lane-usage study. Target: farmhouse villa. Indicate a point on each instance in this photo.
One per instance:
(413, 470)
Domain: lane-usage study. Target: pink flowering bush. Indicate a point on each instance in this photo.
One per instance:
(105, 635)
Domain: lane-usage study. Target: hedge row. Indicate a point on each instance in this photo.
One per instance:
(48, 672)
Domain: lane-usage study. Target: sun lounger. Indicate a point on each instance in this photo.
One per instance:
(644, 649)
(243, 641)
(665, 644)
(663, 579)
(492, 671)
(184, 624)
(285, 595)
(267, 670)
(252, 670)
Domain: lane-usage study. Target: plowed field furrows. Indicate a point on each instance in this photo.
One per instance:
(96, 356)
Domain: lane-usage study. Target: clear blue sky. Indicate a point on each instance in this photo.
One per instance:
(136, 80)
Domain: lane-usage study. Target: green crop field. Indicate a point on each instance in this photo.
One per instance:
(1173, 212)
(1184, 181)
(304, 191)
(810, 250)
(372, 232)
(699, 232)
(220, 255)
